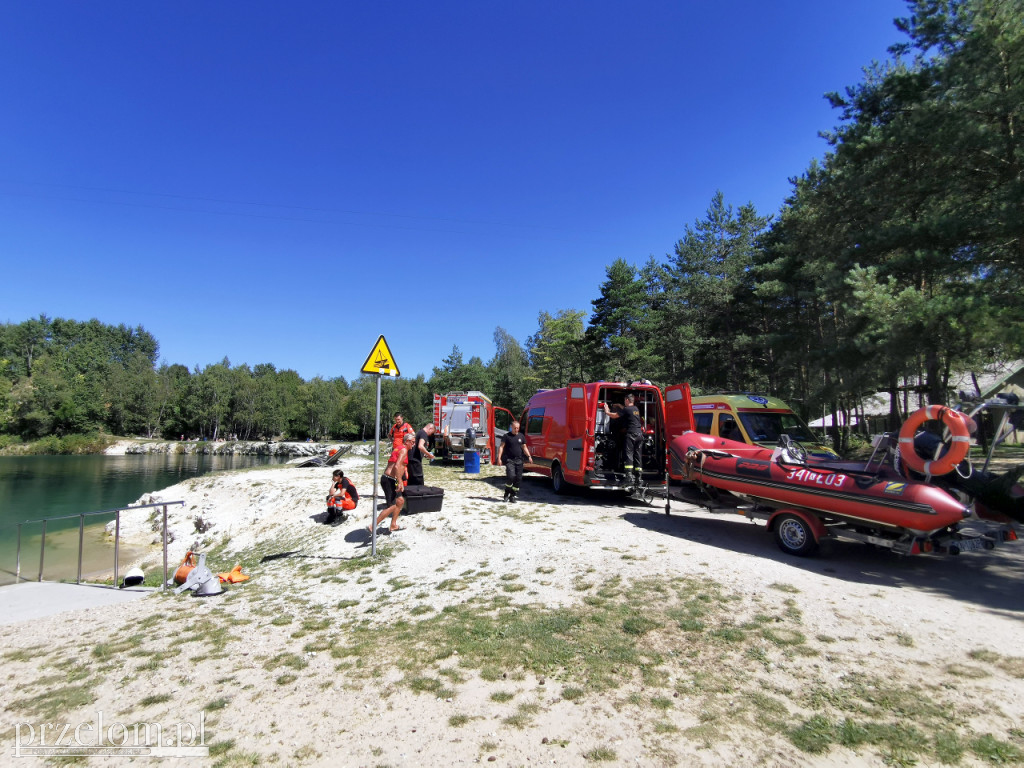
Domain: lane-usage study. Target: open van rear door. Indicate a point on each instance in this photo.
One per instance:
(678, 411)
(576, 423)
(678, 419)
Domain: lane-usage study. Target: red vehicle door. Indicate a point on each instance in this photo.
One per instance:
(678, 419)
(492, 438)
(576, 426)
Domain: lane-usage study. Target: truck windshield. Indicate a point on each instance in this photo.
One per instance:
(768, 427)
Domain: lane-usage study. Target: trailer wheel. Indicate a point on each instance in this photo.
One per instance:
(558, 480)
(794, 536)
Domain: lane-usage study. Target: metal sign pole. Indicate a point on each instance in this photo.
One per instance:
(376, 478)
(379, 362)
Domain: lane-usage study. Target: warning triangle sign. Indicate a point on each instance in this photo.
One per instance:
(380, 360)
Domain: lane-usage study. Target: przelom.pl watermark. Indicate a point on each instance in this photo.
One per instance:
(102, 737)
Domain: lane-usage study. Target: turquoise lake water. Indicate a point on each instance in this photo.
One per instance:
(34, 487)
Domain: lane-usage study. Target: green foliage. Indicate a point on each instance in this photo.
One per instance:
(558, 351)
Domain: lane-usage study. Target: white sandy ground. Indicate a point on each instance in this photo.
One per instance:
(949, 627)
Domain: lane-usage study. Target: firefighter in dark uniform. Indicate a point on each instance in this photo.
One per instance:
(510, 453)
(634, 436)
(419, 450)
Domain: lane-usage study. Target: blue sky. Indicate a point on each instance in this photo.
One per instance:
(284, 182)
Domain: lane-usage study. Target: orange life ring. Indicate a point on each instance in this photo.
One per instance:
(954, 421)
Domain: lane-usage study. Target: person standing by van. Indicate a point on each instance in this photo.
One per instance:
(419, 450)
(634, 435)
(512, 449)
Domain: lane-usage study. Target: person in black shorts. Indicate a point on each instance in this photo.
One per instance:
(512, 449)
(419, 450)
(634, 438)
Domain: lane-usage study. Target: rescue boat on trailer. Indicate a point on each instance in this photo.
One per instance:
(805, 501)
(880, 499)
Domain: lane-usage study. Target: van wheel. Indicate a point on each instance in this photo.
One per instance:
(558, 481)
(794, 536)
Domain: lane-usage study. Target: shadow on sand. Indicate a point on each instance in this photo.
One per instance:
(993, 580)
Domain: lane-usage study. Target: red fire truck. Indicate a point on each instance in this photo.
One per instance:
(456, 412)
(574, 442)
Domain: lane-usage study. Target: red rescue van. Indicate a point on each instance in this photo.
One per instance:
(574, 442)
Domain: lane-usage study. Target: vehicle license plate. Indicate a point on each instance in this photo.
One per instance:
(968, 545)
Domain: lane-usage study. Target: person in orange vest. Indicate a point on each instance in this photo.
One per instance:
(342, 497)
(399, 431)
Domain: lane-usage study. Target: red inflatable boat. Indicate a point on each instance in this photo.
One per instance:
(805, 501)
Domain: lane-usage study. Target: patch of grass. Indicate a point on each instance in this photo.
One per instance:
(424, 684)
(156, 698)
(600, 754)
(789, 588)
(56, 701)
(452, 585)
(661, 702)
(217, 704)
(343, 604)
(815, 735)
(993, 750)
(292, 660)
(639, 625)
(457, 721)
(572, 693)
(502, 696)
(286, 679)
(783, 636)
(967, 671)
(218, 748)
(32, 653)
(316, 624)
(399, 582)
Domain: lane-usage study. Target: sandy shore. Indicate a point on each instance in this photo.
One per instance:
(562, 630)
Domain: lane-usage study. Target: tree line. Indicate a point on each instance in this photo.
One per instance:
(895, 262)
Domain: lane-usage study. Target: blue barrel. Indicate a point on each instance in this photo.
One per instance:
(472, 462)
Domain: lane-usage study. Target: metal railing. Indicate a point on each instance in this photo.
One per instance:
(81, 537)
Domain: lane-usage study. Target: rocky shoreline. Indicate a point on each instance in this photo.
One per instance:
(225, 448)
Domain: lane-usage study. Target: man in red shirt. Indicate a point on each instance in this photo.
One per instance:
(399, 431)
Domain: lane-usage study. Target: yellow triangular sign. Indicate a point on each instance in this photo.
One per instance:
(380, 360)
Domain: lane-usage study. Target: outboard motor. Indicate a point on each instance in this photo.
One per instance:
(469, 441)
(202, 580)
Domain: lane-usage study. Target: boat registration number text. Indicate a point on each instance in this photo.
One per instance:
(968, 545)
(808, 477)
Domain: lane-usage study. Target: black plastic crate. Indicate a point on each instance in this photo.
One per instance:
(423, 498)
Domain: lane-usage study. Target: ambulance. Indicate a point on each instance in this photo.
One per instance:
(754, 419)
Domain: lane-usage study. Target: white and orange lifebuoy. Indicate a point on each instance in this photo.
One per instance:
(954, 421)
